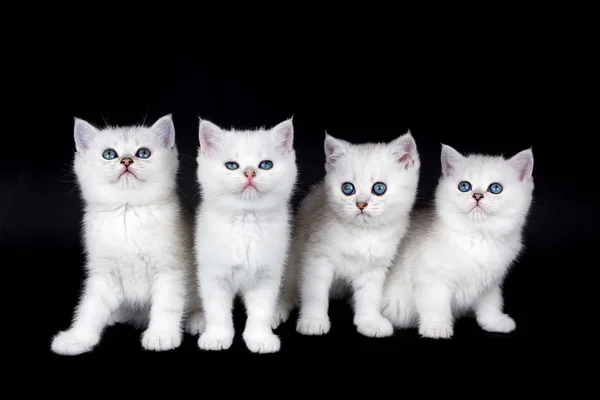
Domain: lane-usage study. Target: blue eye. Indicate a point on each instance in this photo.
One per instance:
(143, 153)
(495, 188)
(464, 186)
(265, 164)
(347, 188)
(109, 154)
(379, 188)
(231, 165)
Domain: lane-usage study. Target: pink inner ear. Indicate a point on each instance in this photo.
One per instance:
(208, 141)
(286, 143)
(523, 171)
(406, 160)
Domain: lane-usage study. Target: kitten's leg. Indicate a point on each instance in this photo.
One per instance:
(217, 296)
(315, 282)
(489, 314)
(434, 306)
(195, 321)
(166, 312)
(260, 300)
(100, 299)
(368, 290)
(398, 305)
(288, 297)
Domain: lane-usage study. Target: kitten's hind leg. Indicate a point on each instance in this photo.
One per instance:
(285, 306)
(121, 315)
(195, 322)
(434, 305)
(398, 306)
(100, 299)
(315, 281)
(287, 300)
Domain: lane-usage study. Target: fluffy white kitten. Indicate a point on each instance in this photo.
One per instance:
(347, 233)
(139, 252)
(456, 255)
(243, 229)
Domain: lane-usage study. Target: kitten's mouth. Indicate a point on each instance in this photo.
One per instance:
(127, 173)
(477, 207)
(249, 186)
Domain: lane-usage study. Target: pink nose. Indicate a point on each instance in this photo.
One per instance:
(361, 205)
(477, 196)
(126, 161)
(250, 173)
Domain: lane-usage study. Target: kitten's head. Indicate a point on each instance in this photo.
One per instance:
(371, 184)
(485, 192)
(119, 165)
(247, 168)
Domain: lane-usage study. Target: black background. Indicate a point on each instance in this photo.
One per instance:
(503, 97)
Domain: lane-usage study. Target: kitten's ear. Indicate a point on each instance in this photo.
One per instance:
(165, 130)
(523, 163)
(84, 133)
(209, 135)
(284, 136)
(404, 149)
(450, 159)
(334, 149)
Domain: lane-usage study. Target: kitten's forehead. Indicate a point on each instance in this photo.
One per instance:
(484, 170)
(368, 160)
(247, 143)
(366, 164)
(133, 136)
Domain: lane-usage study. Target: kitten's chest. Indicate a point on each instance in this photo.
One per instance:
(482, 259)
(366, 249)
(249, 238)
(127, 230)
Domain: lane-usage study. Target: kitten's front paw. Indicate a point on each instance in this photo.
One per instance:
(263, 342)
(436, 329)
(282, 314)
(196, 323)
(375, 326)
(161, 340)
(68, 343)
(215, 340)
(498, 324)
(313, 326)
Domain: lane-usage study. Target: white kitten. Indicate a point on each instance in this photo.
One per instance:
(347, 233)
(243, 229)
(456, 256)
(139, 254)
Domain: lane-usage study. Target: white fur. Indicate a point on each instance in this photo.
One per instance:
(455, 258)
(139, 251)
(336, 248)
(242, 236)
